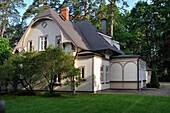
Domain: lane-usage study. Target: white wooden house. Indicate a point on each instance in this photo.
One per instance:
(103, 64)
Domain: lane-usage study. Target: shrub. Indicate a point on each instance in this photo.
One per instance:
(48, 94)
(154, 80)
(24, 93)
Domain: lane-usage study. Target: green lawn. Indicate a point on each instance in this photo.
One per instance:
(107, 103)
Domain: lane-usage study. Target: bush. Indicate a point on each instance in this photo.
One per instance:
(24, 93)
(154, 80)
(164, 78)
(48, 94)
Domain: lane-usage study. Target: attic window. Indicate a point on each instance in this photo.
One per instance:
(44, 24)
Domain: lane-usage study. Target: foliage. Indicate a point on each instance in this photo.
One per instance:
(5, 50)
(11, 71)
(38, 6)
(55, 63)
(147, 23)
(154, 79)
(88, 103)
(9, 12)
(73, 78)
(48, 94)
(20, 68)
(14, 32)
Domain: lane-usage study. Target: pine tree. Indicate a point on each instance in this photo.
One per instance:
(9, 10)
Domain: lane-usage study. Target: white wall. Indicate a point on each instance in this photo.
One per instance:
(130, 72)
(148, 76)
(124, 69)
(87, 64)
(116, 72)
(51, 30)
(98, 62)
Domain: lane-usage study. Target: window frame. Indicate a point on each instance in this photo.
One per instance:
(56, 40)
(44, 24)
(39, 42)
(107, 80)
(102, 72)
(84, 79)
(28, 45)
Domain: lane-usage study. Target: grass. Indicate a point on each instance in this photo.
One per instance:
(101, 103)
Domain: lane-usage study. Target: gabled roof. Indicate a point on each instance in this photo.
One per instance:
(95, 41)
(68, 27)
(82, 34)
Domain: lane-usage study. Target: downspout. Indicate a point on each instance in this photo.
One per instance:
(138, 73)
(93, 74)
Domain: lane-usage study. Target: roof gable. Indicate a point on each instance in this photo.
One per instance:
(82, 34)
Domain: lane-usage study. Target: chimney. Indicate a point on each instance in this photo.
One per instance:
(65, 13)
(104, 25)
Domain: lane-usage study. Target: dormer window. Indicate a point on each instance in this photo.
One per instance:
(44, 24)
(43, 43)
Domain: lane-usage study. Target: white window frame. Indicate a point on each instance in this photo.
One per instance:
(102, 74)
(82, 67)
(107, 73)
(42, 43)
(29, 48)
(57, 79)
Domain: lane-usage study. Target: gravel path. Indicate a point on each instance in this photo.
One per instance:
(163, 91)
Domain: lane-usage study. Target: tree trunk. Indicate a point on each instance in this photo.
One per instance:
(51, 87)
(111, 25)
(4, 22)
(85, 9)
(73, 86)
(112, 12)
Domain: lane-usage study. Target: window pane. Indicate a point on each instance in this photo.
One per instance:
(45, 43)
(82, 72)
(42, 44)
(30, 46)
(59, 78)
(101, 68)
(107, 69)
(102, 77)
(107, 73)
(58, 40)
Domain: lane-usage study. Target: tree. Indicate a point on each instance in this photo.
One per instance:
(54, 63)
(161, 33)
(28, 70)
(14, 32)
(21, 68)
(9, 11)
(113, 9)
(38, 6)
(73, 78)
(154, 79)
(148, 24)
(5, 50)
(10, 72)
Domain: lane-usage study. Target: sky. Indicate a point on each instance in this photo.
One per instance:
(131, 4)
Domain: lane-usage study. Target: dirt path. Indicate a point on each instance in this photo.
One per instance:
(163, 91)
